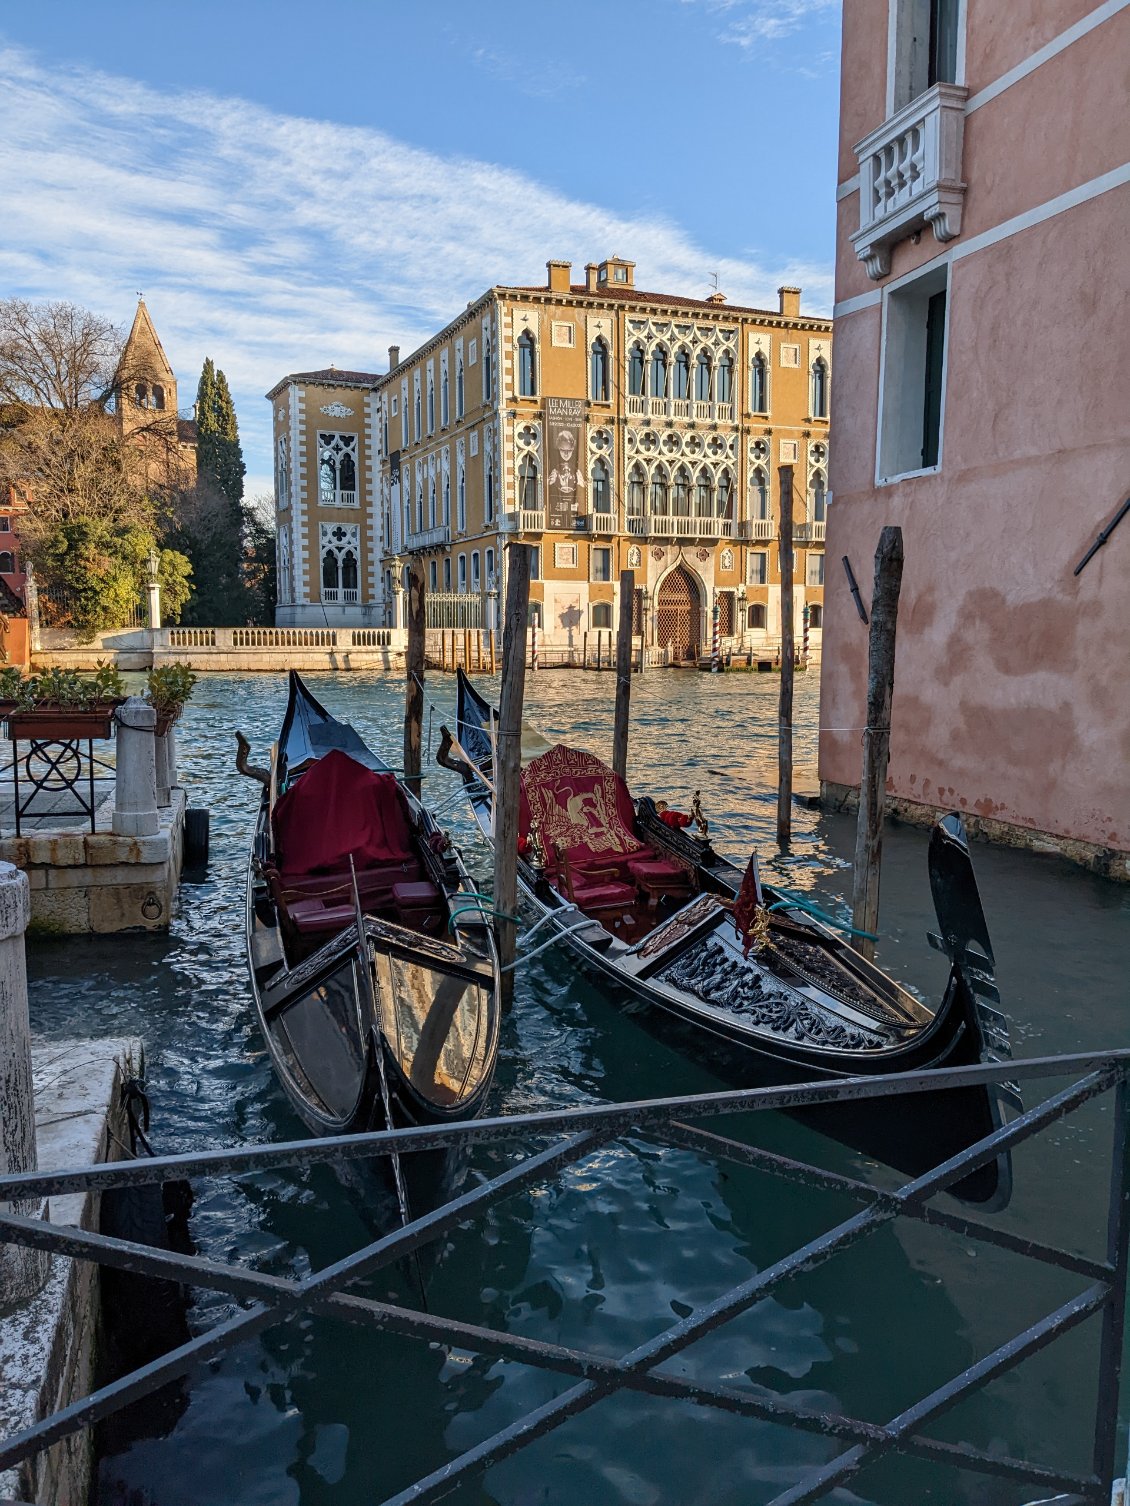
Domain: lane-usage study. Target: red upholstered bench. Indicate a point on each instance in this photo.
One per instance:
(419, 905)
(313, 917)
(657, 876)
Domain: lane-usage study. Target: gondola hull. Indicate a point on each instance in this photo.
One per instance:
(694, 992)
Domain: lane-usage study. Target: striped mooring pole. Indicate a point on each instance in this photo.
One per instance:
(534, 644)
(715, 659)
(804, 618)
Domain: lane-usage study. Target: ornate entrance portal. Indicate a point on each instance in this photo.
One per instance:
(680, 614)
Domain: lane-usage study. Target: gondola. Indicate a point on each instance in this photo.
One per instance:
(750, 979)
(373, 966)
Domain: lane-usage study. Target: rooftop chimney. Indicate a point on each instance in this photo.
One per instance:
(716, 297)
(560, 276)
(790, 302)
(590, 277)
(393, 357)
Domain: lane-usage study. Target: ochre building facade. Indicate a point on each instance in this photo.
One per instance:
(608, 427)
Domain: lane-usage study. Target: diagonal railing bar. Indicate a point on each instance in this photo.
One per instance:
(689, 1137)
(367, 1313)
(994, 1365)
(305, 1294)
(608, 1119)
(743, 1296)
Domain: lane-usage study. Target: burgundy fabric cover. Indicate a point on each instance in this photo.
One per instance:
(581, 804)
(339, 810)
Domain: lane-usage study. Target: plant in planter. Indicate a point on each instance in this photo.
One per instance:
(168, 687)
(59, 705)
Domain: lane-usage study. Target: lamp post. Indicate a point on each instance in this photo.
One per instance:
(154, 563)
(396, 566)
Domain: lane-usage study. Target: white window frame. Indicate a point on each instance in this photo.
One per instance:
(762, 578)
(598, 550)
(461, 573)
(898, 400)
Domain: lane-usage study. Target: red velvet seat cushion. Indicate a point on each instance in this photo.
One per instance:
(312, 917)
(603, 896)
(338, 810)
(655, 869)
(415, 896)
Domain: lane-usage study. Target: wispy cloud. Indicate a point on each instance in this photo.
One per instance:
(752, 24)
(275, 243)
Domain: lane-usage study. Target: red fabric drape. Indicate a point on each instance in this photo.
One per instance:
(580, 803)
(337, 810)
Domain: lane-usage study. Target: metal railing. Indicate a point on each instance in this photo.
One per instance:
(454, 609)
(585, 1132)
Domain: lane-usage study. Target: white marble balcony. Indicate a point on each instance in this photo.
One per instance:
(910, 175)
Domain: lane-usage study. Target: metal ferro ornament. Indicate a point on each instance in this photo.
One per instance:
(535, 847)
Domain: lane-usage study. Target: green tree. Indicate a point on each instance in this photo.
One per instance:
(210, 520)
(219, 455)
(97, 573)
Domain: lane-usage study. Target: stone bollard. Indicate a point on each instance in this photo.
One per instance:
(22, 1272)
(166, 748)
(135, 787)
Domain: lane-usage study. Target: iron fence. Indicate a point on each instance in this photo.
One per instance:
(577, 1134)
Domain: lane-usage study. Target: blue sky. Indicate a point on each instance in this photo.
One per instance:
(292, 185)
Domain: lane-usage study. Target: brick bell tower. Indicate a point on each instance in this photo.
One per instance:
(147, 387)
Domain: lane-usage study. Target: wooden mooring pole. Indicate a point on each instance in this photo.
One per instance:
(414, 685)
(876, 738)
(508, 763)
(785, 705)
(623, 674)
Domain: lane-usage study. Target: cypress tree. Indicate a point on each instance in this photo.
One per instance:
(219, 454)
(212, 521)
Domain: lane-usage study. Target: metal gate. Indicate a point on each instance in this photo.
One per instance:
(680, 614)
(726, 614)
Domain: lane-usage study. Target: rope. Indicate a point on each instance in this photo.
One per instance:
(529, 956)
(798, 902)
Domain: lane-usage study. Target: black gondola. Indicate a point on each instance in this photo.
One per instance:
(372, 964)
(766, 990)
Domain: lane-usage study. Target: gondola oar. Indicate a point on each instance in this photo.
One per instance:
(382, 1071)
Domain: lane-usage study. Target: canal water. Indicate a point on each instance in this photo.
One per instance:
(621, 1246)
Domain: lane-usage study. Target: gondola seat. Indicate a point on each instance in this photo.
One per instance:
(419, 906)
(658, 876)
(583, 806)
(593, 893)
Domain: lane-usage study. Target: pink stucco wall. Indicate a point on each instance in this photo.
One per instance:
(1012, 681)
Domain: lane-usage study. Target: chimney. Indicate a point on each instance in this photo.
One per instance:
(590, 277)
(393, 357)
(790, 302)
(560, 276)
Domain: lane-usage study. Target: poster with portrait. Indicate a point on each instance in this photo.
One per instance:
(564, 461)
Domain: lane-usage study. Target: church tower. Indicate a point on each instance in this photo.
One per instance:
(147, 387)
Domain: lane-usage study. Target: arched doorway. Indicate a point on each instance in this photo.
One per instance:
(679, 614)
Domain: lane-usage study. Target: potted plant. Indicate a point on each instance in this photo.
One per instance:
(168, 687)
(59, 705)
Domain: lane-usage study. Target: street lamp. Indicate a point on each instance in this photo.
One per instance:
(741, 615)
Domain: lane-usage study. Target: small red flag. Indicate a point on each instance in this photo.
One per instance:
(749, 901)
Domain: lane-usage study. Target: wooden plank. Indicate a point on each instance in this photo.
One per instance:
(785, 704)
(508, 761)
(876, 737)
(414, 682)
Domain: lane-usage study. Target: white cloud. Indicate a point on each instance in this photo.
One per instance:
(276, 244)
(750, 23)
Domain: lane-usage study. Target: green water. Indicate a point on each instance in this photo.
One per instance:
(617, 1248)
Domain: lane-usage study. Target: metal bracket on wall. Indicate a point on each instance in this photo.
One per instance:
(853, 584)
(1103, 536)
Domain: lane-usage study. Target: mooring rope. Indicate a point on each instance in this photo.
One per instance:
(792, 901)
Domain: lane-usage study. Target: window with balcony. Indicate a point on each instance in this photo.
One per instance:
(491, 582)
(681, 496)
(527, 366)
(488, 483)
(601, 488)
(724, 385)
(431, 501)
(598, 371)
(602, 565)
(528, 484)
(337, 470)
(636, 491)
(476, 577)
(758, 567)
(462, 572)
(926, 37)
(702, 375)
(819, 388)
(818, 497)
(601, 614)
(635, 371)
(704, 495)
(759, 495)
(682, 375)
(724, 496)
(913, 376)
(446, 499)
(658, 383)
(759, 384)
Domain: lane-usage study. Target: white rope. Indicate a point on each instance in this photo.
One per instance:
(529, 956)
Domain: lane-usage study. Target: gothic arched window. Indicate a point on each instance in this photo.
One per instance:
(725, 380)
(527, 366)
(528, 484)
(7, 562)
(157, 398)
(349, 571)
(636, 491)
(820, 388)
(759, 494)
(330, 576)
(431, 404)
(635, 371)
(459, 388)
(659, 492)
(681, 501)
(447, 499)
(444, 401)
(724, 496)
(141, 395)
(682, 374)
(702, 377)
(598, 371)
(659, 372)
(819, 498)
(704, 495)
(759, 385)
(601, 488)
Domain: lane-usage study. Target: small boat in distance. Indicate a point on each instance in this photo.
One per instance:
(751, 979)
(373, 966)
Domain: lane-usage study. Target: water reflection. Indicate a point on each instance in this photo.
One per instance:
(621, 1246)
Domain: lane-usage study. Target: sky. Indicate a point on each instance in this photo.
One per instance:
(294, 185)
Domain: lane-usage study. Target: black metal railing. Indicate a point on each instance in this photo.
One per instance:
(581, 1132)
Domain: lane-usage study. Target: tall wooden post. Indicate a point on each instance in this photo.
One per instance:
(414, 686)
(492, 656)
(876, 737)
(508, 764)
(785, 705)
(623, 673)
